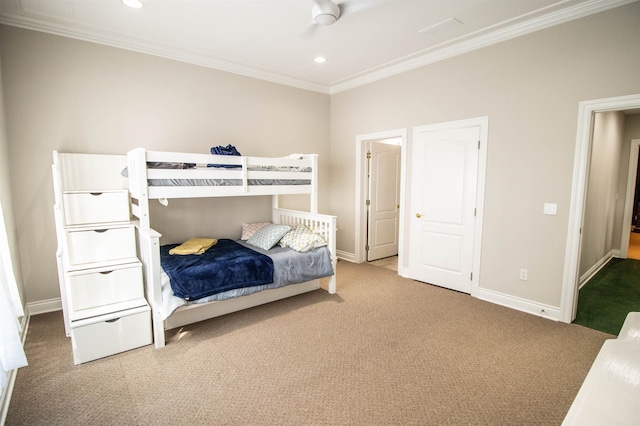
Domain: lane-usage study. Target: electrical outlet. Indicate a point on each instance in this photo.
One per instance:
(523, 274)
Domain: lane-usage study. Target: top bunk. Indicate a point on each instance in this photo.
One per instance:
(156, 175)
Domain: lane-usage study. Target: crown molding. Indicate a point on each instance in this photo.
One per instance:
(444, 52)
(432, 55)
(115, 40)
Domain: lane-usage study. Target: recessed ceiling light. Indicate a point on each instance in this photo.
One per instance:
(137, 4)
(319, 60)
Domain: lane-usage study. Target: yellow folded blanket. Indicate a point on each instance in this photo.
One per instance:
(194, 246)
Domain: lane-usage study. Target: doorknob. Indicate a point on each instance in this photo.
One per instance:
(418, 215)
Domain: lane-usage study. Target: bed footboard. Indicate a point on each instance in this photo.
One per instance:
(322, 224)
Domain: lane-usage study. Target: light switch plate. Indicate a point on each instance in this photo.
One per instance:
(550, 209)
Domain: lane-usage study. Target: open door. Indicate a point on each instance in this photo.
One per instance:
(383, 203)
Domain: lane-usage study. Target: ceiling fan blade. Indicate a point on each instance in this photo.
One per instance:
(309, 31)
(352, 7)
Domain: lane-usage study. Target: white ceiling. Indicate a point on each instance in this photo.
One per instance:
(274, 40)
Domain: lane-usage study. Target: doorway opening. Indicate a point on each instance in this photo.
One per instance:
(584, 145)
(632, 208)
(386, 219)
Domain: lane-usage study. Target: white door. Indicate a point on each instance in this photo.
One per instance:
(444, 182)
(384, 193)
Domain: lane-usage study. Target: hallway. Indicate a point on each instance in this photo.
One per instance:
(634, 246)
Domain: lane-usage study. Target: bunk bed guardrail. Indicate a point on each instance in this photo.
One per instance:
(242, 176)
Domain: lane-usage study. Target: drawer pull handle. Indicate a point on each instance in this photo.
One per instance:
(95, 194)
(100, 231)
(105, 272)
(112, 320)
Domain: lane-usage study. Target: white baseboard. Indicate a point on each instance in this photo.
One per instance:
(44, 306)
(5, 398)
(595, 268)
(349, 257)
(508, 301)
(523, 305)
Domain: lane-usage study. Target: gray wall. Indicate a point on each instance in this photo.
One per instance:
(5, 194)
(73, 96)
(530, 89)
(601, 208)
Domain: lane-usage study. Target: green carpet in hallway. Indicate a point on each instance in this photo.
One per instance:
(605, 301)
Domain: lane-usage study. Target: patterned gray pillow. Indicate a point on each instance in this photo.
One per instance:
(268, 236)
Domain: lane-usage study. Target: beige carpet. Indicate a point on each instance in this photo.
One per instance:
(390, 263)
(386, 350)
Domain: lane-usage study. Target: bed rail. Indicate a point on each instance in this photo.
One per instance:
(246, 174)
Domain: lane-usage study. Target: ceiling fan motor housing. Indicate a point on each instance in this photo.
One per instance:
(325, 12)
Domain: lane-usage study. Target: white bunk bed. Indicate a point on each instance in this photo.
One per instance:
(233, 176)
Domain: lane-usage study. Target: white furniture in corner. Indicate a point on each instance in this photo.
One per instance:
(610, 394)
(101, 283)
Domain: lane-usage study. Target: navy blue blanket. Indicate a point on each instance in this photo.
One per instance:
(225, 266)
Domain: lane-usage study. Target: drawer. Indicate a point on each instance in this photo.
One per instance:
(105, 286)
(100, 245)
(82, 208)
(110, 334)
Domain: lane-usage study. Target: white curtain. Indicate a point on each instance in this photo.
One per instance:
(11, 352)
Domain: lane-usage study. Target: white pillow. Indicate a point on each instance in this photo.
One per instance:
(302, 239)
(268, 236)
(250, 229)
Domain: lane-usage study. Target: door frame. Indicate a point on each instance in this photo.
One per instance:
(483, 123)
(586, 111)
(362, 190)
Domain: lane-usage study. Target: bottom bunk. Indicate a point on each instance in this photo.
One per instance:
(198, 301)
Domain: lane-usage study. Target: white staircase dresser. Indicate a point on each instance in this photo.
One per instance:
(100, 276)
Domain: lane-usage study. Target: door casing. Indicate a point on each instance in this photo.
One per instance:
(362, 191)
(586, 110)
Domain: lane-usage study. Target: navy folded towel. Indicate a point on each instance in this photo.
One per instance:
(224, 150)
